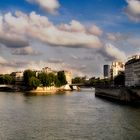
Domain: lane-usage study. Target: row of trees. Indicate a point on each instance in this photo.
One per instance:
(7, 79)
(119, 80)
(31, 80)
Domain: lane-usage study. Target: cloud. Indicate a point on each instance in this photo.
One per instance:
(74, 26)
(134, 41)
(133, 10)
(95, 30)
(117, 36)
(2, 61)
(111, 53)
(17, 31)
(50, 6)
(10, 31)
(25, 51)
(54, 60)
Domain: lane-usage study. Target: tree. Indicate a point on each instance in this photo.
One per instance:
(57, 82)
(43, 79)
(27, 75)
(51, 79)
(1, 79)
(119, 80)
(7, 79)
(61, 77)
(34, 82)
(77, 80)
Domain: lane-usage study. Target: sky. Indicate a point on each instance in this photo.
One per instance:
(76, 35)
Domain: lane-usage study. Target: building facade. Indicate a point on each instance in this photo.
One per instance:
(106, 71)
(116, 68)
(132, 71)
(18, 77)
(68, 75)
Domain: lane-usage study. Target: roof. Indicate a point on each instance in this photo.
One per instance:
(132, 61)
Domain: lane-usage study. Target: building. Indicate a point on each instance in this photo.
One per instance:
(106, 71)
(18, 76)
(116, 68)
(68, 75)
(47, 70)
(132, 71)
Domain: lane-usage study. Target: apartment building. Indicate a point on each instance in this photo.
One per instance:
(132, 71)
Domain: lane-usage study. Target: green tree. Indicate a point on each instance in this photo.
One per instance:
(77, 80)
(51, 79)
(34, 82)
(57, 82)
(27, 75)
(7, 79)
(43, 79)
(61, 77)
(1, 79)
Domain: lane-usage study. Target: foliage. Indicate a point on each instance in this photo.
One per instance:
(43, 79)
(46, 80)
(100, 82)
(79, 80)
(61, 77)
(27, 75)
(57, 82)
(119, 80)
(50, 79)
(1, 79)
(7, 79)
(34, 82)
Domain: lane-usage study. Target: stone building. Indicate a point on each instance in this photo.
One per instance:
(116, 68)
(132, 71)
(68, 75)
(18, 75)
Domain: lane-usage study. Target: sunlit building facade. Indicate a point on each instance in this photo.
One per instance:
(116, 68)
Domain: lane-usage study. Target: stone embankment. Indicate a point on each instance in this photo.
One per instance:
(121, 94)
(52, 89)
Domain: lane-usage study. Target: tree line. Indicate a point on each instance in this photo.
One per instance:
(118, 80)
(7, 79)
(31, 80)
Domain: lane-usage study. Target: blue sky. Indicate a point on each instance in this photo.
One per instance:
(71, 34)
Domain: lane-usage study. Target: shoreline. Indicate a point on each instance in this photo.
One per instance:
(38, 90)
(122, 94)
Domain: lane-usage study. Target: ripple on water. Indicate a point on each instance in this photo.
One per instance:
(75, 116)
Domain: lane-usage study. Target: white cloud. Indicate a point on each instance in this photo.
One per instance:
(114, 52)
(14, 34)
(74, 26)
(50, 6)
(133, 10)
(95, 30)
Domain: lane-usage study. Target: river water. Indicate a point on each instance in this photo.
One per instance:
(69, 116)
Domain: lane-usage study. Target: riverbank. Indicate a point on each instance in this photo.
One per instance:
(121, 94)
(38, 90)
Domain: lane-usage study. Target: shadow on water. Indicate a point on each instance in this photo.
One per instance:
(120, 103)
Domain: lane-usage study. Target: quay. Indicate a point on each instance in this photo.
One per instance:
(121, 94)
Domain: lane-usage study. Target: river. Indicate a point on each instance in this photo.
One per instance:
(70, 116)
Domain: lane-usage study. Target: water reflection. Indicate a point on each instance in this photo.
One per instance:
(76, 115)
